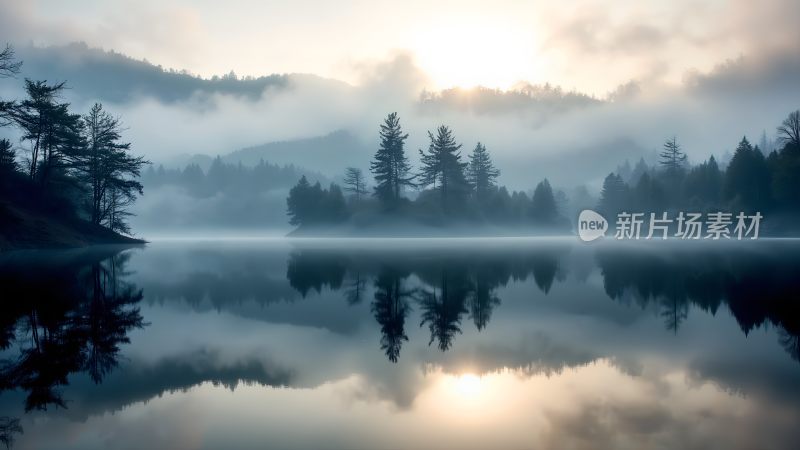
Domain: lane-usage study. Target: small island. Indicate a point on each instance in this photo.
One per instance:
(455, 198)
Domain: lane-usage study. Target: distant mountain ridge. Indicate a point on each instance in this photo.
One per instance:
(98, 74)
(310, 154)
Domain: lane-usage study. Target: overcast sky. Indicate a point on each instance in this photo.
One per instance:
(591, 46)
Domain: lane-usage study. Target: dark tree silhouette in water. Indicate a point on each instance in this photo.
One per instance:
(311, 270)
(390, 165)
(9, 426)
(482, 300)
(354, 288)
(390, 308)
(790, 342)
(75, 322)
(442, 311)
(111, 314)
(758, 288)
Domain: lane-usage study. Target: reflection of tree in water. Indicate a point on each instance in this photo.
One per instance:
(442, 307)
(9, 426)
(674, 310)
(544, 268)
(354, 288)
(307, 272)
(757, 287)
(482, 300)
(391, 308)
(790, 342)
(66, 318)
(109, 316)
(452, 285)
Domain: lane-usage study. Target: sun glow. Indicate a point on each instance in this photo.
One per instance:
(468, 385)
(466, 55)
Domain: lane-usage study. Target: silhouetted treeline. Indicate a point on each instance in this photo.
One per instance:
(482, 100)
(450, 189)
(119, 78)
(73, 165)
(752, 181)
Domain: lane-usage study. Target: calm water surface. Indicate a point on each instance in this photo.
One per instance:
(405, 344)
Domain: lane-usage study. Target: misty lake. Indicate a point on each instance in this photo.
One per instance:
(402, 344)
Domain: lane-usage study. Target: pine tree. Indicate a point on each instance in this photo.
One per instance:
(543, 203)
(648, 194)
(639, 169)
(614, 196)
(108, 169)
(390, 165)
(9, 67)
(747, 181)
(672, 158)
(335, 207)
(481, 172)
(298, 202)
(8, 161)
(442, 164)
(55, 133)
(703, 184)
(354, 182)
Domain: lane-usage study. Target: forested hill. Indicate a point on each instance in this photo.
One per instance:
(312, 154)
(31, 217)
(113, 77)
(318, 148)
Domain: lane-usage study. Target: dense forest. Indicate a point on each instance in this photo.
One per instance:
(76, 168)
(453, 189)
(753, 180)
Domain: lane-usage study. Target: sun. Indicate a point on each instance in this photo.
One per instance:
(466, 55)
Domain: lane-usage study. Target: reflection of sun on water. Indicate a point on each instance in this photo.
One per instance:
(468, 385)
